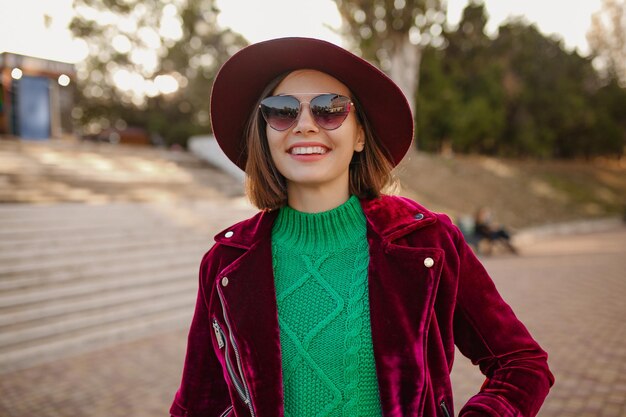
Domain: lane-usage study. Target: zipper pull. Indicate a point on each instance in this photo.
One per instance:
(218, 334)
(444, 409)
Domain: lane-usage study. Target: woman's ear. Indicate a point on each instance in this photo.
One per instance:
(360, 140)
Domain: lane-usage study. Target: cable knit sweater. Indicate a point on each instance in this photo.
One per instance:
(320, 266)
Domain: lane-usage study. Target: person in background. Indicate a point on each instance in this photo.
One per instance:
(337, 299)
(484, 228)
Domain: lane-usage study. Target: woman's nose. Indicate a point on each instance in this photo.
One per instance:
(305, 122)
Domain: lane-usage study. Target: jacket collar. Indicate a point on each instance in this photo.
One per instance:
(394, 217)
(390, 217)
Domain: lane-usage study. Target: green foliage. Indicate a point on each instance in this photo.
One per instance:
(519, 94)
(144, 40)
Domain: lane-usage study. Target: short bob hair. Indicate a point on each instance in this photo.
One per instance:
(370, 169)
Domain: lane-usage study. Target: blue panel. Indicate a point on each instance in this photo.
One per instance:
(33, 107)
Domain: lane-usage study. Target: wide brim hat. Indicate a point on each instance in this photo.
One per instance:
(241, 80)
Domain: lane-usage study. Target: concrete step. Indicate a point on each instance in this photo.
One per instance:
(68, 211)
(49, 279)
(97, 248)
(76, 172)
(79, 220)
(43, 310)
(36, 231)
(28, 258)
(84, 265)
(26, 332)
(125, 279)
(97, 337)
(67, 221)
(105, 236)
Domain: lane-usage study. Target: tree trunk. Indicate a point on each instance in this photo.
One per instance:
(405, 63)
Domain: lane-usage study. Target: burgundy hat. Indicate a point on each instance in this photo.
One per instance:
(241, 80)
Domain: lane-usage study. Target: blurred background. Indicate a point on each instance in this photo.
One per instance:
(112, 187)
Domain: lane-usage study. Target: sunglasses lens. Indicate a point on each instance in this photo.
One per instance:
(280, 112)
(330, 110)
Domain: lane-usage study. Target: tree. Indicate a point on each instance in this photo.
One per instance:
(607, 38)
(151, 64)
(549, 110)
(481, 115)
(519, 94)
(461, 101)
(393, 33)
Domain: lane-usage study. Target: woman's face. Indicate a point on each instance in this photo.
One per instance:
(325, 165)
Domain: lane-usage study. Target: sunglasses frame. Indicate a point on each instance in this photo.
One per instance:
(313, 115)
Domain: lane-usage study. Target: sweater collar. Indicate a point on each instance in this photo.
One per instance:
(320, 232)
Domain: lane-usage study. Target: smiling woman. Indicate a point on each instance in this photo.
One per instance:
(324, 302)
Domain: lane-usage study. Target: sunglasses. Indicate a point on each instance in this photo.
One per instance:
(328, 110)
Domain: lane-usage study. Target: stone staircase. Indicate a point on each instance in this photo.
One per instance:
(80, 276)
(72, 171)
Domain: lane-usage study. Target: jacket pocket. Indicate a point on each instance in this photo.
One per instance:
(235, 378)
(444, 409)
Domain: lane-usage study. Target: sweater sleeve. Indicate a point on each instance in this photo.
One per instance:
(203, 391)
(487, 331)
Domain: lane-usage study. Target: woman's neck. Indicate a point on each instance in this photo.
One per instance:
(315, 199)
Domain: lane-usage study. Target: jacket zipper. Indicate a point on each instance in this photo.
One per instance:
(227, 412)
(246, 393)
(219, 334)
(444, 409)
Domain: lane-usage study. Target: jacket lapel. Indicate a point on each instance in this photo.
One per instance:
(250, 299)
(403, 280)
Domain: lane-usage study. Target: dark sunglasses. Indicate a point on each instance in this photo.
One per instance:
(329, 110)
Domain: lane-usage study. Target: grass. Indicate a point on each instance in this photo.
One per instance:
(522, 193)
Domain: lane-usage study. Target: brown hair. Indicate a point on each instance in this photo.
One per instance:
(266, 187)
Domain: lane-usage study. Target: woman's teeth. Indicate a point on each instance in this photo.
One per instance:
(308, 150)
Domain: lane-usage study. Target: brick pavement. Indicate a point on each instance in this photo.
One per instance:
(568, 290)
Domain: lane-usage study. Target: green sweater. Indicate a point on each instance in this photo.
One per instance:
(320, 266)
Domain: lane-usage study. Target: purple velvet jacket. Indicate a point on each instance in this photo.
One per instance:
(428, 292)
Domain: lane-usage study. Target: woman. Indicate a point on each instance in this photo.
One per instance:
(336, 300)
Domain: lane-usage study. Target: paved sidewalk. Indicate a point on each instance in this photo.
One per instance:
(569, 290)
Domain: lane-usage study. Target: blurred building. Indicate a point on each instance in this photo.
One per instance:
(36, 97)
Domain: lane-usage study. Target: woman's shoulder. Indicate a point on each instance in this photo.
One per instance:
(398, 201)
(238, 237)
(392, 209)
(245, 232)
